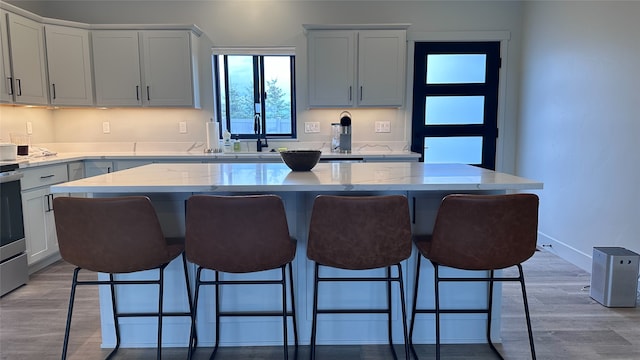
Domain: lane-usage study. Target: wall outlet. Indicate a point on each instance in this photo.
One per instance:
(312, 127)
(383, 126)
(106, 127)
(29, 128)
(182, 125)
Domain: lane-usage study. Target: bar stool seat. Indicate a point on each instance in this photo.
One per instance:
(360, 233)
(479, 233)
(116, 236)
(241, 234)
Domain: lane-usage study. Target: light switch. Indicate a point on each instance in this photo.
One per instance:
(312, 127)
(183, 127)
(106, 127)
(29, 128)
(383, 126)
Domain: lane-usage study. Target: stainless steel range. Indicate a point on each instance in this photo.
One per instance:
(13, 259)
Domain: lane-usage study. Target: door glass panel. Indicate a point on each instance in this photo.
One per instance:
(460, 149)
(458, 110)
(456, 68)
(277, 82)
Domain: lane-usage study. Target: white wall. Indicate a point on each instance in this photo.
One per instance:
(279, 23)
(580, 123)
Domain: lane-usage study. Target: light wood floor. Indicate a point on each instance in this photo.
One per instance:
(567, 323)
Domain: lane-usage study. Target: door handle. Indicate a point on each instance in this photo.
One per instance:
(19, 84)
(10, 85)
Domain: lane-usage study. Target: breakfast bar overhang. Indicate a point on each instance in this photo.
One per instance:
(169, 185)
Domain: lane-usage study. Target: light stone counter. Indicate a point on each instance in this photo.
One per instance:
(276, 177)
(177, 156)
(169, 185)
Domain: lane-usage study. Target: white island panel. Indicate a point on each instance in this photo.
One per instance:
(169, 185)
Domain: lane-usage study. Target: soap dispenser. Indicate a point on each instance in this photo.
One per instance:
(226, 136)
(236, 144)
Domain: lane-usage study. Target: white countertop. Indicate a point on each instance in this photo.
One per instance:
(63, 157)
(276, 177)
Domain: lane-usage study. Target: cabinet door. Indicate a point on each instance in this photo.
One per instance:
(116, 68)
(168, 74)
(39, 224)
(331, 68)
(69, 65)
(97, 167)
(26, 44)
(6, 87)
(75, 170)
(381, 67)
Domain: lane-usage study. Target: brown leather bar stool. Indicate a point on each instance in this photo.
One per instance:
(241, 234)
(360, 233)
(479, 232)
(116, 236)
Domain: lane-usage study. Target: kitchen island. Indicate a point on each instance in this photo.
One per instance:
(169, 185)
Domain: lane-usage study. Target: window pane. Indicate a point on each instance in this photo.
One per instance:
(277, 82)
(223, 90)
(447, 110)
(241, 93)
(462, 149)
(456, 68)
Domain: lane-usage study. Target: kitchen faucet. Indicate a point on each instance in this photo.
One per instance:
(259, 131)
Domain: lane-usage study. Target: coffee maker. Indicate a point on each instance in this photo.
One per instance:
(345, 132)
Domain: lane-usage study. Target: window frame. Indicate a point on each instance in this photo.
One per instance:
(260, 95)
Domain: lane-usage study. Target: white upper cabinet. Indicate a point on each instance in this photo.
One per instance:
(27, 53)
(69, 64)
(357, 68)
(168, 68)
(6, 88)
(116, 68)
(331, 67)
(381, 67)
(145, 68)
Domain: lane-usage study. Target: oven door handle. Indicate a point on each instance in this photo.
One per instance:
(10, 176)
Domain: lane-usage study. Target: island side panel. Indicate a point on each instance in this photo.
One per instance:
(332, 329)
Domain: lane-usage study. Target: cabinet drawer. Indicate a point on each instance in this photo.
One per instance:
(46, 175)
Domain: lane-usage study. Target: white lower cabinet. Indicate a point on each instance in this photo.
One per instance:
(40, 227)
(97, 167)
(38, 214)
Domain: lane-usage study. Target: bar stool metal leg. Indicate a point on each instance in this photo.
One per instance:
(312, 351)
(413, 308)
(72, 297)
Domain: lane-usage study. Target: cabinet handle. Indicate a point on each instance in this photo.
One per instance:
(53, 86)
(10, 85)
(19, 83)
(413, 205)
(148, 95)
(360, 92)
(47, 176)
(137, 92)
(349, 93)
(48, 203)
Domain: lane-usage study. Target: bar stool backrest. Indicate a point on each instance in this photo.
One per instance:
(359, 232)
(111, 235)
(238, 234)
(485, 232)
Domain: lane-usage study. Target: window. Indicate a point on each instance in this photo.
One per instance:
(455, 107)
(255, 89)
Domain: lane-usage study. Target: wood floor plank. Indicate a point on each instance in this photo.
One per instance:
(567, 323)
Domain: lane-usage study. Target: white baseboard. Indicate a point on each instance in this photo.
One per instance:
(565, 251)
